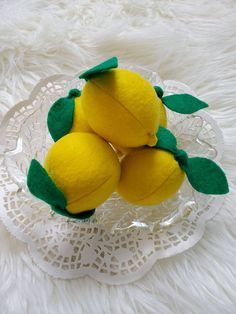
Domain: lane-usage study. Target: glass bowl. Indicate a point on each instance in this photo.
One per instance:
(25, 136)
(121, 241)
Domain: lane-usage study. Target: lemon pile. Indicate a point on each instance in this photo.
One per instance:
(112, 136)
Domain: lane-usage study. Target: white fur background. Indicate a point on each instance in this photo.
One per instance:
(191, 41)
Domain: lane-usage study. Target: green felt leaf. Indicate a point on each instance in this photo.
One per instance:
(206, 176)
(60, 115)
(74, 93)
(104, 66)
(181, 156)
(166, 140)
(159, 91)
(42, 186)
(183, 103)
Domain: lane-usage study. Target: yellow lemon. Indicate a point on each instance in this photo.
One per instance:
(122, 107)
(84, 168)
(163, 116)
(149, 176)
(122, 151)
(80, 123)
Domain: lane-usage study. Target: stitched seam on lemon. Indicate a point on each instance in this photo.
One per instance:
(106, 93)
(90, 192)
(157, 188)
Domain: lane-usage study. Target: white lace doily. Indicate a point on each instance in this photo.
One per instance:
(121, 242)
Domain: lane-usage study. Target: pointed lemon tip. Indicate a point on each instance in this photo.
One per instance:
(152, 139)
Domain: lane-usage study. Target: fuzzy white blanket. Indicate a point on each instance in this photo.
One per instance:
(191, 41)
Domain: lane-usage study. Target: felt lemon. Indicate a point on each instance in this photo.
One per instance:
(120, 105)
(152, 175)
(84, 170)
(66, 116)
(163, 116)
(80, 123)
(149, 176)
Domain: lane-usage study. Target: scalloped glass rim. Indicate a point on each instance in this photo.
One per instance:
(115, 214)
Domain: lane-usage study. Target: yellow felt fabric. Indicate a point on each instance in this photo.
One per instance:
(149, 176)
(122, 107)
(122, 151)
(163, 116)
(80, 123)
(85, 168)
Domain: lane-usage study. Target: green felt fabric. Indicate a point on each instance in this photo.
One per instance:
(74, 93)
(104, 66)
(166, 140)
(60, 115)
(204, 175)
(183, 103)
(159, 91)
(42, 186)
(182, 157)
